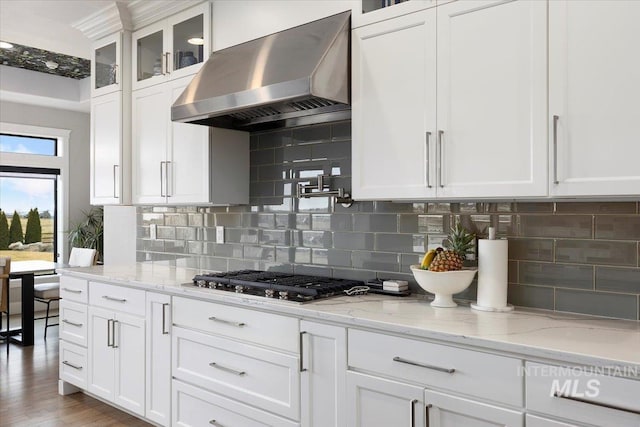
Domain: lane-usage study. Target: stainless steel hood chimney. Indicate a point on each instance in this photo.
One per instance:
(297, 76)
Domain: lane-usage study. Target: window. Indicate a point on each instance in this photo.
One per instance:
(28, 145)
(34, 185)
(28, 196)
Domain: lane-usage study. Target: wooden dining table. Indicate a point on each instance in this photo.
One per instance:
(26, 272)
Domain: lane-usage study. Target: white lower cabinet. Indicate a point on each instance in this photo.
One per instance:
(195, 407)
(117, 358)
(323, 367)
(446, 410)
(267, 379)
(73, 364)
(582, 396)
(158, 359)
(377, 402)
(535, 421)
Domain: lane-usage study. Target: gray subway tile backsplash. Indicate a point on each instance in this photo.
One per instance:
(616, 227)
(556, 275)
(597, 303)
(597, 252)
(580, 257)
(618, 279)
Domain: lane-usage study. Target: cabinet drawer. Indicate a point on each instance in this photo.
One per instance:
(73, 322)
(245, 325)
(589, 396)
(115, 297)
(268, 379)
(73, 289)
(463, 371)
(73, 364)
(196, 407)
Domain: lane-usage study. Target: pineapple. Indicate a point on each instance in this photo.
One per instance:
(459, 244)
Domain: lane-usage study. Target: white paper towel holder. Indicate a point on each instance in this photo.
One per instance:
(508, 308)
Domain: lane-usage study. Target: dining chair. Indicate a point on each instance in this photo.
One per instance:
(48, 292)
(5, 267)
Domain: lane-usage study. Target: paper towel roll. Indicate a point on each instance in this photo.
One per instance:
(493, 273)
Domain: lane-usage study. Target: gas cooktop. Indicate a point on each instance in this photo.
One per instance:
(284, 286)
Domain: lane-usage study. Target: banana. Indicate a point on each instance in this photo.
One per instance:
(426, 260)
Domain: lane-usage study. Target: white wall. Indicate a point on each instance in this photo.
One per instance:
(238, 21)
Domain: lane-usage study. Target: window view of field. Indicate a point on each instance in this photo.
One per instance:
(26, 255)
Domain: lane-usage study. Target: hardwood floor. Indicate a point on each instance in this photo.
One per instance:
(29, 390)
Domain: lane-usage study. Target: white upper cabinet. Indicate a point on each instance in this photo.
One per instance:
(492, 84)
(110, 59)
(179, 163)
(172, 48)
(105, 149)
(393, 101)
(594, 113)
(371, 11)
(478, 129)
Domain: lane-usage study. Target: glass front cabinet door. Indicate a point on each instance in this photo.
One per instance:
(172, 48)
(106, 65)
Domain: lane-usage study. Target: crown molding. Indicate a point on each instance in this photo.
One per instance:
(132, 15)
(111, 19)
(145, 12)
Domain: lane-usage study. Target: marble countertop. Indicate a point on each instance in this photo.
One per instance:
(535, 334)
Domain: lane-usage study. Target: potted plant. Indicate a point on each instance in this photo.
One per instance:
(89, 232)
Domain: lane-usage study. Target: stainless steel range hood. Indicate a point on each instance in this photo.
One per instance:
(297, 76)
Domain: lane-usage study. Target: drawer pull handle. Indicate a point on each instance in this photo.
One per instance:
(224, 368)
(165, 331)
(114, 298)
(71, 365)
(412, 412)
(424, 365)
(591, 402)
(69, 322)
(73, 291)
(215, 423)
(301, 367)
(227, 322)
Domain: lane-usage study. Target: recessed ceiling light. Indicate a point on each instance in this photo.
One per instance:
(5, 45)
(199, 41)
(52, 65)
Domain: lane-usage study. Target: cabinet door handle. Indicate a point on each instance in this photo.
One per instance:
(302, 334)
(555, 149)
(426, 419)
(166, 62)
(73, 291)
(162, 179)
(164, 319)
(412, 412)
(591, 402)
(114, 298)
(168, 178)
(224, 368)
(115, 74)
(428, 168)
(440, 159)
(215, 423)
(115, 181)
(71, 365)
(113, 333)
(424, 365)
(227, 322)
(69, 322)
(109, 343)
